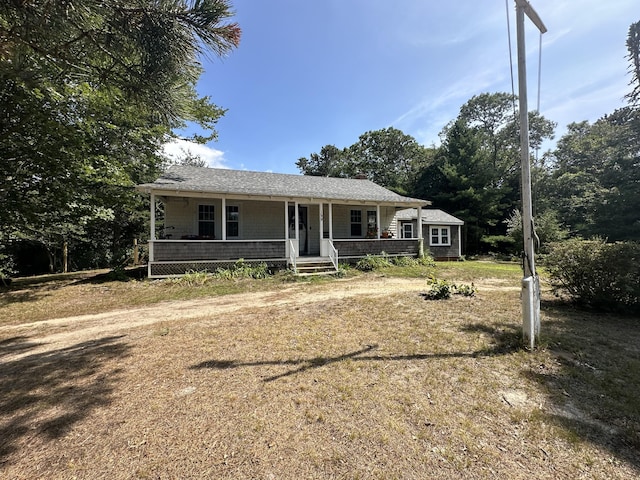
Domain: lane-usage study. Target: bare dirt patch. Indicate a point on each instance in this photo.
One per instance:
(74, 329)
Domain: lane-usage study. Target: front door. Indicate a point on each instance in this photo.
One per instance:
(303, 219)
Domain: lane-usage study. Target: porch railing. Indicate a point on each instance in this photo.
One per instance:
(333, 255)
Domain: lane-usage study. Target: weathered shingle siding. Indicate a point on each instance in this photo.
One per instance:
(172, 251)
(342, 219)
(258, 220)
(261, 220)
(358, 249)
(445, 251)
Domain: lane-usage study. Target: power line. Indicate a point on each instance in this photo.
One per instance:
(513, 88)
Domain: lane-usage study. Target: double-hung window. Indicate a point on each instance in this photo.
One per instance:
(407, 230)
(206, 222)
(233, 221)
(440, 236)
(356, 223)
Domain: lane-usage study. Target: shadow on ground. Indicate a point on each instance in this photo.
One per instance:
(593, 387)
(45, 394)
(592, 390)
(27, 289)
(503, 342)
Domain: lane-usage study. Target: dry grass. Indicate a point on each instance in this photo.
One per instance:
(368, 386)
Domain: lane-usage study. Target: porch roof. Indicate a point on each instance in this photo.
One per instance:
(191, 181)
(430, 216)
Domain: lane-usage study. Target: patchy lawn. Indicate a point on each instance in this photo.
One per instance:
(350, 378)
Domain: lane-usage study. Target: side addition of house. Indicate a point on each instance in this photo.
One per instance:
(442, 232)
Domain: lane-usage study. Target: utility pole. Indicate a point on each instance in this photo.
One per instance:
(531, 281)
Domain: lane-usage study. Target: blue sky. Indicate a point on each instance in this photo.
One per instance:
(310, 73)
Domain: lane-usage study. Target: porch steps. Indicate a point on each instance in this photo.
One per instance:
(314, 266)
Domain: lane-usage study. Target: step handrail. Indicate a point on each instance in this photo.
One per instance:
(292, 256)
(333, 255)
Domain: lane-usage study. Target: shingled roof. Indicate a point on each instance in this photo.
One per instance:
(186, 180)
(430, 216)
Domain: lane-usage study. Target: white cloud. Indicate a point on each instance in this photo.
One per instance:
(176, 148)
(427, 118)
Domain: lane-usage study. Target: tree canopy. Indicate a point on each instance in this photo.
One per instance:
(594, 182)
(388, 157)
(633, 47)
(90, 91)
(475, 173)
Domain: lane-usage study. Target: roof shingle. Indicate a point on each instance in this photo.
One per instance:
(430, 216)
(241, 182)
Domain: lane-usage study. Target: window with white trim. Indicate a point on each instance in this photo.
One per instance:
(440, 236)
(206, 221)
(356, 223)
(407, 230)
(233, 220)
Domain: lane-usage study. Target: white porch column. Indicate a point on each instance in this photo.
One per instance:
(152, 233)
(420, 236)
(321, 214)
(331, 221)
(295, 229)
(378, 220)
(224, 218)
(152, 211)
(286, 222)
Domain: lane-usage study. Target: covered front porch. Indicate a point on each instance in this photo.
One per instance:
(207, 232)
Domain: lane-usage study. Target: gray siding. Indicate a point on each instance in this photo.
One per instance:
(261, 220)
(445, 251)
(258, 220)
(166, 251)
(362, 248)
(342, 219)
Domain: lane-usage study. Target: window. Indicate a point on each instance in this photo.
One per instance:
(440, 236)
(233, 221)
(372, 220)
(206, 225)
(356, 223)
(407, 230)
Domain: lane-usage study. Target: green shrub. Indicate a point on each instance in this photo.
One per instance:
(426, 261)
(442, 289)
(547, 227)
(241, 269)
(341, 272)
(596, 273)
(439, 290)
(466, 290)
(192, 278)
(372, 262)
(405, 261)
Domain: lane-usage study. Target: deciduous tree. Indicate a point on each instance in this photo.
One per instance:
(90, 90)
(475, 174)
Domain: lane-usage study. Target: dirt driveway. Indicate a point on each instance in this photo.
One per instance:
(57, 333)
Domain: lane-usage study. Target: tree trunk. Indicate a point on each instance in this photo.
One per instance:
(65, 257)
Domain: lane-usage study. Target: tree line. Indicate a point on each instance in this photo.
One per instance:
(90, 90)
(587, 186)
